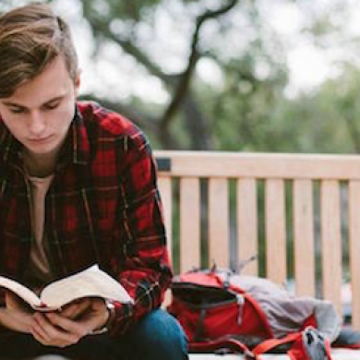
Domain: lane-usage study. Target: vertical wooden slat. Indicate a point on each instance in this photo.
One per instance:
(303, 220)
(331, 242)
(164, 184)
(275, 230)
(247, 225)
(354, 250)
(189, 223)
(218, 222)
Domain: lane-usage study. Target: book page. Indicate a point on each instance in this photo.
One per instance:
(20, 290)
(88, 283)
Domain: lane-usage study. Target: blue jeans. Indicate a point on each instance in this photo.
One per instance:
(157, 336)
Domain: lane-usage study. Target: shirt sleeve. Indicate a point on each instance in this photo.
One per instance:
(146, 272)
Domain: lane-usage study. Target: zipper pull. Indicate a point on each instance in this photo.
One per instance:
(240, 302)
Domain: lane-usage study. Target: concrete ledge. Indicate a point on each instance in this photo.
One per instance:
(337, 354)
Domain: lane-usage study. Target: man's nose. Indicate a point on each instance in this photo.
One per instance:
(37, 123)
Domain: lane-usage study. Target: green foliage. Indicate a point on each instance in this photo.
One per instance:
(241, 108)
(114, 9)
(325, 121)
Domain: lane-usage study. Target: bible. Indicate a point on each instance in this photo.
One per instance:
(91, 282)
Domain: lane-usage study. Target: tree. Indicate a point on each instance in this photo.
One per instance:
(205, 28)
(178, 84)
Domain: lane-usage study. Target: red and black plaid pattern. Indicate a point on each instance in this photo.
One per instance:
(103, 207)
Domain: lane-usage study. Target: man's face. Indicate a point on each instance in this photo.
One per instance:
(40, 111)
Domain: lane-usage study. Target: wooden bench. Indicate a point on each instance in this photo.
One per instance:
(299, 212)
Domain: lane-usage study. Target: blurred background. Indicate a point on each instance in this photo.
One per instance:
(243, 75)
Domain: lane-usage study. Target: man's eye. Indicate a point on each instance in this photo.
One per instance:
(51, 106)
(17, 110)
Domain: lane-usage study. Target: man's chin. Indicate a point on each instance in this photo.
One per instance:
(42, 150)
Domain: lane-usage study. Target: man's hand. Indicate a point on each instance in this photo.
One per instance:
(76, 309)
(69, 326)
(16, 315)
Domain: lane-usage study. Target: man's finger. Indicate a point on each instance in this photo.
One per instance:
(53, 333)
(13, 302)
(70, 327)
(41, 326)
(39, 335)
(76, 309)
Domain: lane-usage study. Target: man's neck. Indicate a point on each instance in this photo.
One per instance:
(39, 165)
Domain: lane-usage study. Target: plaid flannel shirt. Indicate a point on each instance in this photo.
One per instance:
(102, 207)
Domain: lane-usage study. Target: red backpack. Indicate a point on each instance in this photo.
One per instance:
(224, 312)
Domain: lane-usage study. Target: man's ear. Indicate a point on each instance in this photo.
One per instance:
(77, 82)
(1, 108)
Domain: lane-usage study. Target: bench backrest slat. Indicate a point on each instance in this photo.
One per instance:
(304, 264)
(190, 222)
(275, 230)
(262, 165)
(218, 222)
(302, 210)
(331, 241)
(247, 224)
(354, 248)
(165, 188)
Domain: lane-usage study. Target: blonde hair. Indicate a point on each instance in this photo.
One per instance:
(30, 38)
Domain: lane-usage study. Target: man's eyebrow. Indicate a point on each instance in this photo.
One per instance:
(10, 103)
(56, 98)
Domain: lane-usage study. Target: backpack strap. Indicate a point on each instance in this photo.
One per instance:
(306, 345)
(270, 344)
(223, 345)
(311, 346)
(200, 325)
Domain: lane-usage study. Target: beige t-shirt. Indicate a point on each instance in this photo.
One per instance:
(39, 267)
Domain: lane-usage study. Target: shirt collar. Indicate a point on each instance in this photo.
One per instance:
(76, 148)
(9, 145)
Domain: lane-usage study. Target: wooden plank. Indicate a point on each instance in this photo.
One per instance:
(354, 250)
(260, 165)
(218, 222)
(247, 225)
(164, 185)
(303, 227)
(275, 230)
(331, 242)
(165, 189)
(189, 223)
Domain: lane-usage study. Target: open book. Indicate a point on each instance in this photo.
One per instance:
(91, 282)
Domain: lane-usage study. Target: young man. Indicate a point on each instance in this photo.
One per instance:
(77, 187)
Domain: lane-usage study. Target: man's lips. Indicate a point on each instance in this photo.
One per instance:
(40, 140)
